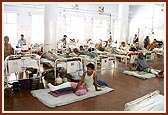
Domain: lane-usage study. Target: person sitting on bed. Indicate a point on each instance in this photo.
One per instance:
(88, 81)
(64, 41)
(124, 46)
(99, 46)
(153, 45)
(146, 42)
(110, 41)
(142, 65)
(21, 41)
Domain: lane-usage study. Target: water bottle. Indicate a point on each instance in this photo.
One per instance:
(59, 79)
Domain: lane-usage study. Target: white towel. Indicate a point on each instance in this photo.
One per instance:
(31, 63)
(104, 63)
(14, 66)
(146, 103)
(79, 68)
(71, 66)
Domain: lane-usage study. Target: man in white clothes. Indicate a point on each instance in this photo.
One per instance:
(21, 41)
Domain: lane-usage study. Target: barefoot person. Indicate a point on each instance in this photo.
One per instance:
(143, 66)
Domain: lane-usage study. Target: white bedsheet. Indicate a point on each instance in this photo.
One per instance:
(44, 60)
(30, 63)
(143, 75)
(51, 101)
(150, 102)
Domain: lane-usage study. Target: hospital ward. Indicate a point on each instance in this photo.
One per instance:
(84, 57)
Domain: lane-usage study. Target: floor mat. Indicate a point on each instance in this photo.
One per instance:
(51, 101)
(142, 75)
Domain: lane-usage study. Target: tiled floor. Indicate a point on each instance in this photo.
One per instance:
(126, 88)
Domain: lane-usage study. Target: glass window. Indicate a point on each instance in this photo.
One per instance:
(11, 18)
(75, 27)
(10, 27)
(37, 29)
(100, 29)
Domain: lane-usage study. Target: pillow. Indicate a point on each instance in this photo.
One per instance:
(101, 83)
(81, 91)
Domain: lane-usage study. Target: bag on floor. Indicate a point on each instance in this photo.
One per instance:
(25, 84)
(34, 84)
(16, 86)
(133, 67)
(101, 83)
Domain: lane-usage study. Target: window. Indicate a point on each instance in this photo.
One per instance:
(100, 29)
(75, 27)
(10, 27)
(116, 31)
(37, 29)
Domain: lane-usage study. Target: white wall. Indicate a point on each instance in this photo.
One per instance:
(136, 24)
(90, 10)
(143, 19)
(24, 18)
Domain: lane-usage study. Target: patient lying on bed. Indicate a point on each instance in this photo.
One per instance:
(49, 55)
(88, 82)
(89, 53)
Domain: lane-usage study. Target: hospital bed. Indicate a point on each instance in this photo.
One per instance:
(18, 65)
(153, 101)
(72, 65)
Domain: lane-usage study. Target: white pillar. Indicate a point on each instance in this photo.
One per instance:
(123, 22)
(50, 24)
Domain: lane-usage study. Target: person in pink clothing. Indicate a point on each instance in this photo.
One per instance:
(88, 82)
(89, 78)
